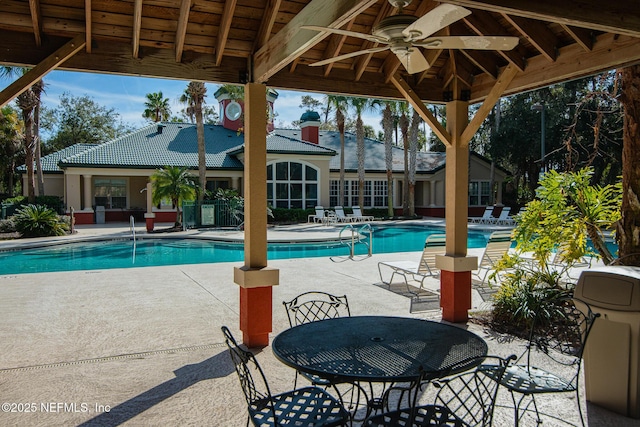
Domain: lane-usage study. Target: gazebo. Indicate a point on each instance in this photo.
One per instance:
(464, 52)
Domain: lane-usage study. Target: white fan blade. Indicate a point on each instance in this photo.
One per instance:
(369, 37)
(439, 18)
(413, 61)
(349, 55)
(469, 42)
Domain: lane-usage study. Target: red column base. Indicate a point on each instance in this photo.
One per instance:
(455, 295)
(256, 315)
(150, 224)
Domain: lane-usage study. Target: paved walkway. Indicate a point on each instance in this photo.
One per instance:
(142, 346)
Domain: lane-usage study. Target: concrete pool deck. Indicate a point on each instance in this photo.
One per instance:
(145, 343)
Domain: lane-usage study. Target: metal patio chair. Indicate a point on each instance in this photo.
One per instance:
(559, 343)
(308, 406)
(313, 306)
(463, 400)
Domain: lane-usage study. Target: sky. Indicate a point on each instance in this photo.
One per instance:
(126, 95)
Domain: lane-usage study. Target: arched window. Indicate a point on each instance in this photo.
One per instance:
(292, 185)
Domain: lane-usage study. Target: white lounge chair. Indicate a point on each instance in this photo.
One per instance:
(357, 214)
(486, 216)
(503, 219)
(340, 215)
(420, 270)
(498, 244)
(319, 216)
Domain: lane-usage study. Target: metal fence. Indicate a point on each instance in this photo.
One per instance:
(211, 213)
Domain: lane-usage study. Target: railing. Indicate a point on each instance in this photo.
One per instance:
(362, 236)
(132, 226)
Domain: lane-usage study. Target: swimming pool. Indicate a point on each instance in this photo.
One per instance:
(148, 252)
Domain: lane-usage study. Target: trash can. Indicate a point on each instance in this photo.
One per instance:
(612, 352)
(99, 214)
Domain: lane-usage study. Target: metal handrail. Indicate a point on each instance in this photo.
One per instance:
(354, 239)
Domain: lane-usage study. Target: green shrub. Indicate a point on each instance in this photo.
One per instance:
(39, 221)
(8, 225)
(54, 203)
(290, 216)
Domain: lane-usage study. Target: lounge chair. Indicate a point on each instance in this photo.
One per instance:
(319, 215)
(340, 215)
(504, 218)
(498, 245)
(357, 215)
(418, 271)
(486, 216)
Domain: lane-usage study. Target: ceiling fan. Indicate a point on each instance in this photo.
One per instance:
(405, 34)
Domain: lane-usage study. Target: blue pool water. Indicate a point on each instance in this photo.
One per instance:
(170, 251)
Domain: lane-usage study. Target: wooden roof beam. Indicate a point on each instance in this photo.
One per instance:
(181, 30)
(87, 24)
(223, 31)
(137, 25)
(496, 92)
(36, 73)
(582, 36)
(36, 20)
(483, 24)
(292, 41)
(537, 33)
(266, 26)
(618, 17)
(334, 46)
(410, 95)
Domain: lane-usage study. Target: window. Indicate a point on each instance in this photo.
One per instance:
(479, 193)
(110, 192)
(212, 185)
(292, 185)
(375, 193)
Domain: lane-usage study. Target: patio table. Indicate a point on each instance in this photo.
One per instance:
(378, 349)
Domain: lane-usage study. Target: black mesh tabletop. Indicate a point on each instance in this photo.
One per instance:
(378, 348)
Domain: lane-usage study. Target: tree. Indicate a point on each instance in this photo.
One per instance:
(339, 103)
(361, 105)
(404, 123)
(388, 126)
(414, 132)
(156, 107)
(81, 120)
(629, 226)
(309, 103)
(174, 183)
(10, 143)
(197, 91)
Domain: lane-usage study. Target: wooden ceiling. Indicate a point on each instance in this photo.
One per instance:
(235, 41)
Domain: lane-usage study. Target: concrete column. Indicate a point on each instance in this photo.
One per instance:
(255, 278)
(456, 267)
(432, 192)
(235, 182)
(88, 193)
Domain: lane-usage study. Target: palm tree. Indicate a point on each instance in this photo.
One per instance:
(388, 126)
(361, 105)
(29, 103)
(413, 152)
(174, 183)
(10, 142)
(403, 122)
(156, 107)
(340, 104)
(197, 91)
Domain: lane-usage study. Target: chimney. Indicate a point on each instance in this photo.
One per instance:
(160, 127)
(310, 126)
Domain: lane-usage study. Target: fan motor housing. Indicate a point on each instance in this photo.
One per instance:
(392, 26)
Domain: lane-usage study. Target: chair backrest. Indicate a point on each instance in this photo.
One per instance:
(471, 395)
(504, 214)
(356, 211)
(559, 333)
(488, 212)
(339, 210)
(257, 393)
(433, 245)
(319, 211)
(315, 305)
(498, 244)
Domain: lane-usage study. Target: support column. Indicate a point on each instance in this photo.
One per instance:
(456, 267)
(149, 216)
(87, 199)
(255, 278)
(432, 193)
